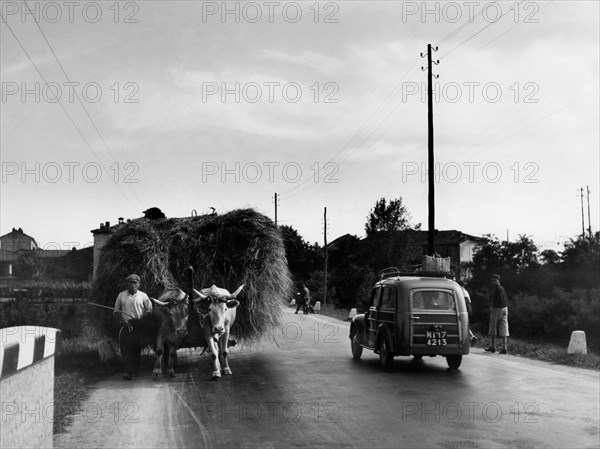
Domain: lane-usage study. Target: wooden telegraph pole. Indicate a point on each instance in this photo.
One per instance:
(325, 242)
(582, 219)
(431, 160)
(275, 209)
(589, 219)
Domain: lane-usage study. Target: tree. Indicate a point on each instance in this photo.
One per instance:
(390, 240)
(387, 217)
(515, 261)
(302, 258)
(550, 257)
(581, 263)
(583, 251)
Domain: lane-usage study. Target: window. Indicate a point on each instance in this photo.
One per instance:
(433, 300)
(375, 297)
(388, 298)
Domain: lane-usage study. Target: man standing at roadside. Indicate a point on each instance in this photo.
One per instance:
(498, 316)
(131, 304)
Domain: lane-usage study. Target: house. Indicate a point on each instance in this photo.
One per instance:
(10, 245)
(17, 247)
(457, 245)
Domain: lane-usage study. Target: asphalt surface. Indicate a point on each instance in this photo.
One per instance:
(300, 387)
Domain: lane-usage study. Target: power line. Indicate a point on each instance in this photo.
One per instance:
(393, 93)
(480, 31)
(366, 131)
(363, 129)
(78, 98)
(62, 107)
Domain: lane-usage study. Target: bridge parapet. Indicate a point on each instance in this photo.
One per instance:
(27, 386)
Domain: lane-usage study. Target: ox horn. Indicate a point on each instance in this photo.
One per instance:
(198, 296)
(235, 293)
(160, 303)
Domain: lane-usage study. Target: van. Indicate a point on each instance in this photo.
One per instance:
(413, 314)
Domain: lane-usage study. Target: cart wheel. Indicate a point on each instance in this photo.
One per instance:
(386, 358)
(418, 356)
(454, 361)
(357, 349)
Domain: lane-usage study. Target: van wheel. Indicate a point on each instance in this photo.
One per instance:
(454, 361)
(357, 349)
(386, 358)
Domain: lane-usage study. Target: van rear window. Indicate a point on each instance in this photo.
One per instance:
(433, 300)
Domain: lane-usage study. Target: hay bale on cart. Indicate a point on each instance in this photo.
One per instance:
(239, 247)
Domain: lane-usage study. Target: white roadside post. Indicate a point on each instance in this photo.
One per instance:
(577, 345)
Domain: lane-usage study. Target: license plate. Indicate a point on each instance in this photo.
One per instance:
(436, 338)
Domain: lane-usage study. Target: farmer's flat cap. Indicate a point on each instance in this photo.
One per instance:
(496, 276)
(132, 278)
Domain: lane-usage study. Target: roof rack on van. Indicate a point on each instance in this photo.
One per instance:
(395, 272)
(388, 272)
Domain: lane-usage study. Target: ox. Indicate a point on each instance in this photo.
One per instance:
(217, 315)
(164, 328)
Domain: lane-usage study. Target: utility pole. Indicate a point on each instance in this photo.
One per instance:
(589, 220)
(275, 209)
(325, 242)
(431, 199)
(582, 219)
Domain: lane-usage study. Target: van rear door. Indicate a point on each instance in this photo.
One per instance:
(435, 324)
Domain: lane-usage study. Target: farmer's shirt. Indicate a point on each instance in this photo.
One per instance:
(499, 297)
(134, 305)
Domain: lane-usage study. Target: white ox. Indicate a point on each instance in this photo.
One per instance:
(216, 322)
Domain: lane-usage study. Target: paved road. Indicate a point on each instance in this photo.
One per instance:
(301, 388)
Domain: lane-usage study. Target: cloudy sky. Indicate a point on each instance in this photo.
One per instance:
(111, 108)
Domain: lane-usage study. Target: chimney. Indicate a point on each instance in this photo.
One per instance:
(121, 220)
(107, 224)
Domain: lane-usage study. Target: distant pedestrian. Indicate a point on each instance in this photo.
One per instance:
(304, 297)
(130, 305)
(498, 316)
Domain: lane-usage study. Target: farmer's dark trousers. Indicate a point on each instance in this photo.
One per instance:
(130, 352)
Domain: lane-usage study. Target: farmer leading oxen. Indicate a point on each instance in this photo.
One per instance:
(216, 318)
(164, 326)
(131, 303)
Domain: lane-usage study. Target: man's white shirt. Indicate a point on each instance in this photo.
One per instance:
(134, 305)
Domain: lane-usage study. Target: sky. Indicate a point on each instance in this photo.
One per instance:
(109, 108)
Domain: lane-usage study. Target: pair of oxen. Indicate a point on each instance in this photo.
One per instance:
(166, 327)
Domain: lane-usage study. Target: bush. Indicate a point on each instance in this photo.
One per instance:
(551, 317)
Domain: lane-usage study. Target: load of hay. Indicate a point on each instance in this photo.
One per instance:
(240, 247)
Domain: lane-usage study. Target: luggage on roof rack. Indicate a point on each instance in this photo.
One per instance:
(395, 272)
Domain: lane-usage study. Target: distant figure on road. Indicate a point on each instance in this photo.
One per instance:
(498, 316)
(134, 303)
(304, 297)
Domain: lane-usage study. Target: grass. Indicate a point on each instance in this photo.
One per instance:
(332, 311)
(538, 350)
(546, 352)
